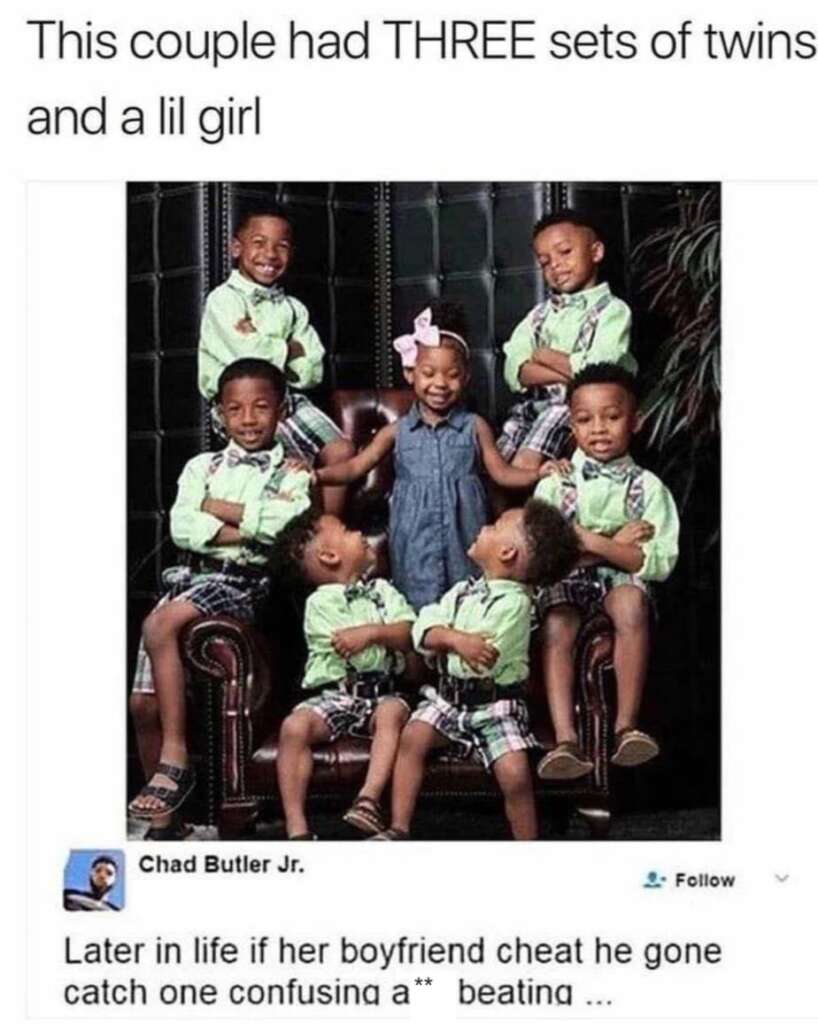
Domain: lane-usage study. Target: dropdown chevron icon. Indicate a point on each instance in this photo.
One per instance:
(782, 878)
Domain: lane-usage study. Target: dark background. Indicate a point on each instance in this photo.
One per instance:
(368, 256)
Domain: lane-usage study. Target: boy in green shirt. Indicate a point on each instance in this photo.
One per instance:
(229, 506)
(579, 323)
(628, 529)
(251, 316)
(357, 632)
(480, 633)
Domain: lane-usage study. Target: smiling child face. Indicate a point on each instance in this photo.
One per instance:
(263, 249)
(603, 420)
(250, 408)
(440, 376)
(569, 257)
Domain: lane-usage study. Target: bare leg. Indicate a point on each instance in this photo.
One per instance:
(300, 731)
(527, 458)
(513, 776)
(416, 741)
(387, 722)
(161, 633)
(559, 638)
(333, 498)
(148, 729)
(628, 609)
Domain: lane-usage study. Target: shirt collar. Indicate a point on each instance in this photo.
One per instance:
(456, 418)
(252, 289)
(579, 458)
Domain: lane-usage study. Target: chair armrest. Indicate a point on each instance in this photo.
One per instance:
(235, 660)
(596, 695)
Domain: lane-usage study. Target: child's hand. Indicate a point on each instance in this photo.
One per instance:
(292, 464)
(351, 640)
(295, 349)
(561, 466)
(475, 650)
(244, 326)
(634, 533)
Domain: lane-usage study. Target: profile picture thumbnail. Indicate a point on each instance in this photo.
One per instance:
(94, 880)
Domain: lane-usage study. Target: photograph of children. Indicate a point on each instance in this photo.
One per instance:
(424, 510)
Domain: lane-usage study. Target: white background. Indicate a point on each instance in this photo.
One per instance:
(63, 502)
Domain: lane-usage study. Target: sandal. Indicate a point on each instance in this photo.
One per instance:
(365, 814)
(633, 747)
(563, 763)
(390, 834)
(185, 779)
(176, 831)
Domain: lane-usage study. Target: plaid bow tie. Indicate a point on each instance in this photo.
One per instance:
(478, 586)
(361, 588)
(259, 295)
(560, 301)
(620, 472)
(259, 459)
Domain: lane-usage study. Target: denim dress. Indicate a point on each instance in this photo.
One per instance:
(438, 504)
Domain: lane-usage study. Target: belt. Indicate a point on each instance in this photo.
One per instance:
(473, 690)
(368, 685)
(201, 563)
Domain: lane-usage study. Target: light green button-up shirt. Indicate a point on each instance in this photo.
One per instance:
(336, 606)
(277, 318)
(547, 327)
(271, 495)
(601, 506)
(499, 608)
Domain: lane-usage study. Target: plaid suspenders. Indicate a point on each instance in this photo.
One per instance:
(634, 496)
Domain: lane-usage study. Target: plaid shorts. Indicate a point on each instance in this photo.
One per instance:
(586, 589)
(345, 714)
(486, 731)
(303, 429)
(217, 593)
(542, 424)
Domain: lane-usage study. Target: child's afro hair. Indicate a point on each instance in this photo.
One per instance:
(246, 214)
(285, 562)
(605, 373)
(259, 369)
(552, 543)
(565, 216)
(450, 316)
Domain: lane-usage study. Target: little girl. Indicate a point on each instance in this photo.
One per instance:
(438, 504)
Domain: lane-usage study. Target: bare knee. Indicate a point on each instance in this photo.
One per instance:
(628, 608)
(415, 741)
(390, 716)
(513, 775)
(296, 730)
(336, 451)
(561, 627)
(144, 710)
(164, 624)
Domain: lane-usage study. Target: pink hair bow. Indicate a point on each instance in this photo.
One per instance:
(425, 334)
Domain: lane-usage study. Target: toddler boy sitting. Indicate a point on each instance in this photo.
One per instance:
(628, 530)
(480, 633)
(357, 631)
(229, 507)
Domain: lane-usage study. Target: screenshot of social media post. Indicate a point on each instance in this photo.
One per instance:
(413, 508)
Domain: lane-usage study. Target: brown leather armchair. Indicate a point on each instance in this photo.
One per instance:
(247, 692)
